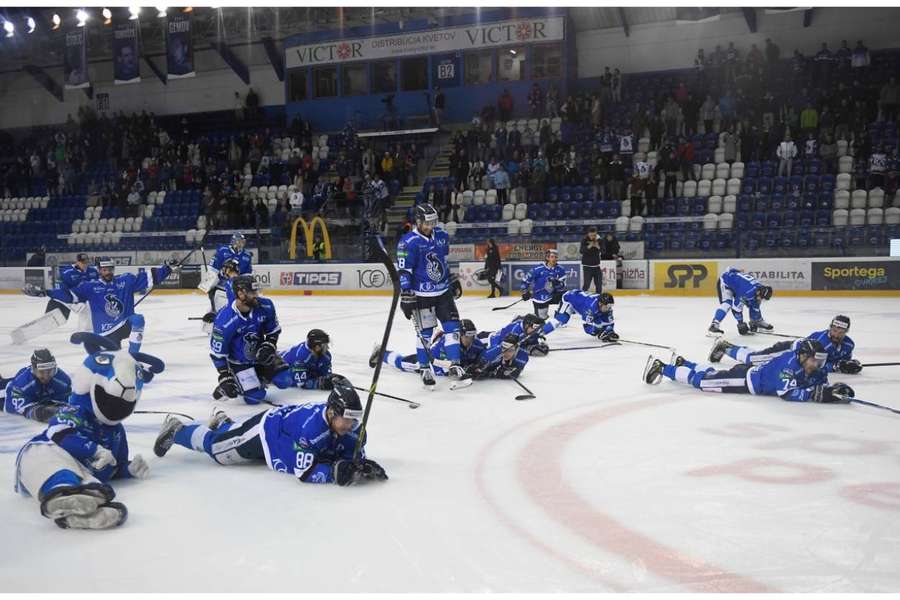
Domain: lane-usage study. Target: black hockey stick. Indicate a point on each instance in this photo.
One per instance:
(873, 405)
(162, 412)
(508, 305)
(181, 262)
(398, 398)
(621, 341)
(894, 364)
(784, 335)
(529, 396)
(604, 345)
(382, 254)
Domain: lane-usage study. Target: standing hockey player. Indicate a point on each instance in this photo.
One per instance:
(215, 278)
(39, 391)
(835, 340)
(471, 349)
(796, 376)
(595, 311)
(309, 364)
(737, 288)
(428, 289)
(223, 294)
(71, 277)
(67, 468)
(312, 442)
(547, 283)
(111, 301)
(243, 344)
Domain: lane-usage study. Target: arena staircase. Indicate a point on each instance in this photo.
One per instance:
(406, 199)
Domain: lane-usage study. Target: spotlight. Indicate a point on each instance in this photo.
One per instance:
(161, 11)
(513, 52)
(187, 9)
(31, 24)
(56, 21)
(9, 28)
(82, 17)
(107, 16)
(133, 12)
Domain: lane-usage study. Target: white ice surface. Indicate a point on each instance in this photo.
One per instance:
(602, 483)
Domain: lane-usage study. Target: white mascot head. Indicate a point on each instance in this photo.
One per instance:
(114, 381)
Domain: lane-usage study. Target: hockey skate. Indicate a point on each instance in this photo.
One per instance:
(375, 356)
(760, 324)
(678, 361)
(218, 418)
(81, 500)
(719, 348)
(166, 437)
(428, 379)
(714, 329)
(653, 371)
(456, 372)
(111, 514)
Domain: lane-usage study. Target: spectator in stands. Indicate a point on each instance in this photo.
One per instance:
(538, 178)
(860, 60)
(252, 103)
(828, 154)
(809, 119)
(754, 56)
(492, 264)
(685, 155)
(505, 106)
(708, 114)
(810, 146)
(552, 102)
(727, 109)
(439, 104)
(823, 60)
(610, 249)
(878, 166)
(387, 165)
(731, 60)
(786, 153)
(501, 182)
(590, 261)
(889, 99)
(773, 52)
(700, 68)
(672, 118)
(668, 164)
(691, 112)
(636, 193)
(616, 86)
(134, 202)
(616, 175)
(535, 102)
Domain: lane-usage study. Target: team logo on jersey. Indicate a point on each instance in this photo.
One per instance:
(251, 342)
(434, 267)
(112, 306)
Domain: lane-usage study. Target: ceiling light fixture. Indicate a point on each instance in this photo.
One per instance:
(107, 16)
(133, 11)
(82, 17)
(56, 21)
(31, 24)
(161, 11)
(9, 28)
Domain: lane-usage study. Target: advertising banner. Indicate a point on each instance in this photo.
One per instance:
(461, 252)
(522, 251)
(856, 275)
(126, 57)
(572, 250)
(785, 274)
(478, 36)
(75, 66)
(688, 277)
(179, 46)
(471, 285)
(635, 275)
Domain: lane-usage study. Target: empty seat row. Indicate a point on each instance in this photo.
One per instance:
(873, 216)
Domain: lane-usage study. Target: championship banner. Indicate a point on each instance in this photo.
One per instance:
(478, 36)
(75, 68)
(126, 62)
(179, 47)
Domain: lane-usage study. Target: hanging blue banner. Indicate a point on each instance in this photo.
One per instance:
(126, 61)
(179, 47)
(445, 70)
(75, 68)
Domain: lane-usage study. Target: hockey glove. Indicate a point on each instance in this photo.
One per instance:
(539, 349)
(324, 383)
(209, 317)
(266, 353)
(839, 393)
(455, 286)
(607, 335)
(743, 329)
(138, 467)
(507, 371)
(850, 367)
(526, 295)
(29, 289)
(228, 385)
(173, 264)
(43, 412)
(346, 472)
(408, 303)
(373, 471)
(102, 458)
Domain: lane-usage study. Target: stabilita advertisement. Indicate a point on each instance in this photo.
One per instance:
(788, 274)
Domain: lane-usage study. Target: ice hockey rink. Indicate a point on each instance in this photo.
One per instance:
(602, 483)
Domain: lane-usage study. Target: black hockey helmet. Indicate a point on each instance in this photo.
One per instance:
(105, 262)
(344, 400)
(807, 348)
(245, 283)
(43, 360)
(764, 292)
(425, 213)
(841, 322)
(510, 340)
(467, 328)
(316, 337)
(532, 320)
(606, 298)
(231, 263)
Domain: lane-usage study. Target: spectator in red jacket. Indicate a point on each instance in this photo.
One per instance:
(686, 158)
(505, 106)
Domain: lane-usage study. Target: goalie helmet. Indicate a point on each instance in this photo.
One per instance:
(238, 238)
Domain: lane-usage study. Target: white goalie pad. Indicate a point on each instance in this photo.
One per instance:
(43, 324)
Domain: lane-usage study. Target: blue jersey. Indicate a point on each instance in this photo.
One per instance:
(836, 352)
(245, 261)
(587, 306)
(467, 356)
(297, 440)
(742, 285)
(491, 362)
(71, 276)
(305, 368)
(111, 303)
(422, 262)
(24, 392)
(236, 337)
(783, 376)
(546, 281)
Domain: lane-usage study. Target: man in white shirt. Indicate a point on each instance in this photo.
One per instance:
(786, 153)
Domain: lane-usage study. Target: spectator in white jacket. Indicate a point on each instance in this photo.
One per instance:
(786, 153)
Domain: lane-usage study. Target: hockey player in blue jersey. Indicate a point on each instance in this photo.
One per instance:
(111, 301)
(595, 311)
(529, 328)
(796, 376)
(504, 358)
(68, 467)
(243, 344)
(735, 289)
(223, 293)
(37, 392)
(309, 364)
(312, 442)
(471, 349)
(835, 340)
(70, 277)
(545, 283)
(216, 278)
(428, 289)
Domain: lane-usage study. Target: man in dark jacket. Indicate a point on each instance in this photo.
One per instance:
(610, 250)
(492, 264)
(590, 262)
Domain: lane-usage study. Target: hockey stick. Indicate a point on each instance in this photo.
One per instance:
(162, 412)
(181, 262)
(873, 405)
(395, 299)
(604, 345)
(508, 305)
(793, 337)
(621, 341)
(529, 396)
(882, 364)
(398, 398)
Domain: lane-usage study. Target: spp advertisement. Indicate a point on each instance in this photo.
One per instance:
(688, 277)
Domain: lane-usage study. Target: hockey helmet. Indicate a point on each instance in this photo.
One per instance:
(425, 213)
(532, 320)
(231, 264)
(606, 298)
(814, 348)
(43, 365)
(551, 252)
(764, 292)
(467, 328)
(317, 337)
(238, 238)
(343, 399)
(106, 263)
(841, 322)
